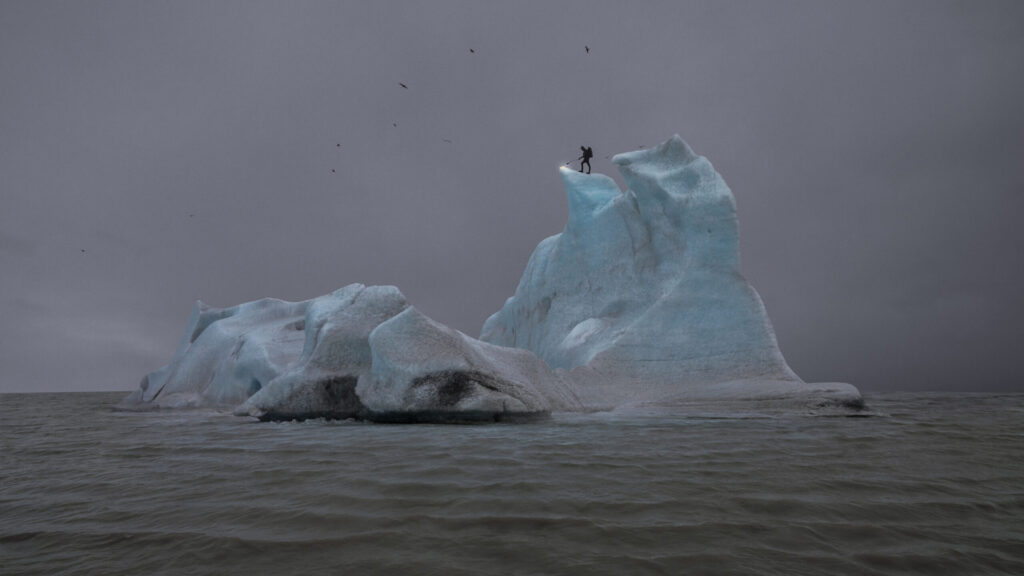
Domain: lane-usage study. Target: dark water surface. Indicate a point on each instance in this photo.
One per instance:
(933, 484)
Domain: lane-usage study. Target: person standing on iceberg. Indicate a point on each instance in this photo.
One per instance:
(588, 153)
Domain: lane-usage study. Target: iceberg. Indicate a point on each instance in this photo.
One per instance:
(638, 301)
(359, 352)
(641, 297)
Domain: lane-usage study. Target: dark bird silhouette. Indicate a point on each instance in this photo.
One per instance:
(83, 250)
(395, 124)
(471, 51)
(191, 215)
(332, 170)
(403, 85)
(587, 48)
(338, 145)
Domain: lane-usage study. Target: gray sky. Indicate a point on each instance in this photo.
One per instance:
(876, 151)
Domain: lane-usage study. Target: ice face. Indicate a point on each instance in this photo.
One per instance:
(227, 355)
(422, 366)
(642, 290)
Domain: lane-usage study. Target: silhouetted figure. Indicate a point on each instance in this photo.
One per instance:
(588, 153)
(471, 51)
(403, 85)
(587, 48)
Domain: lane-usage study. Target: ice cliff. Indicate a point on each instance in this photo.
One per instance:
(641, 295)
(638, 301)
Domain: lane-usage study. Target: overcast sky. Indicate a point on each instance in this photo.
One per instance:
(156, 153)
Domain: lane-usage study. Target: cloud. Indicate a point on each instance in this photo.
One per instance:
(867, 155)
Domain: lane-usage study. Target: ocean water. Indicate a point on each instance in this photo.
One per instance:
(929, 484)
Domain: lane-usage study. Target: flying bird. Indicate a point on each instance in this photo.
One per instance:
(471, 51)
(446, 140)
(395, 124)
(338, 145)
(403, 85)
(587, 48)
(83, 250)
(332, 170)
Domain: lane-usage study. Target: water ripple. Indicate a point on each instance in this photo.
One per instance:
(933, 485)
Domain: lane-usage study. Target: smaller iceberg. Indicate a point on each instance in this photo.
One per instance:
(359, 352)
